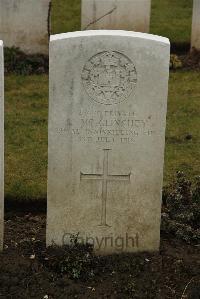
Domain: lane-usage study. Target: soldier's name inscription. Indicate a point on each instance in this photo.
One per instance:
(108, 126)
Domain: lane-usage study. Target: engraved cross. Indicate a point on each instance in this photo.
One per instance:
(104, 178)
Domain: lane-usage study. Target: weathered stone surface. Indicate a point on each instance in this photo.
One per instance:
(195, 43)
(108, 101)
(1, 144)
(25, 24)
(116, 14)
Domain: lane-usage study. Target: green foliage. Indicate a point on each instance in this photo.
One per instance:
(181, 216)
(175, 62)
(19, 63)
(130, 288)
(75, 259)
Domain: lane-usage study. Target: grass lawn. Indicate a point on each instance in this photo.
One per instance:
(170, 18)
(183, 123)
(26, 111)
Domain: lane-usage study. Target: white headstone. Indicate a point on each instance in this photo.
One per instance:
(195, 43)
(108, 102)
(131, 15)
(1, 144)
(25, 24)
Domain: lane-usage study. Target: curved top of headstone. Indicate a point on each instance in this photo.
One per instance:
(119, 33)
(1, 43)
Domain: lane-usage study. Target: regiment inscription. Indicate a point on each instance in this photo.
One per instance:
(107, 126)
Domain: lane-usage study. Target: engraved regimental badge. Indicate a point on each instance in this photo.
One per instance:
(109, 77)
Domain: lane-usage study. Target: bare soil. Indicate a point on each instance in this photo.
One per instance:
(29, 270)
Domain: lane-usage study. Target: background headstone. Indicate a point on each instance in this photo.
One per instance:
(1, 144)
(196, 25)
(108, 101)
(25, 24)
(116, 14)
